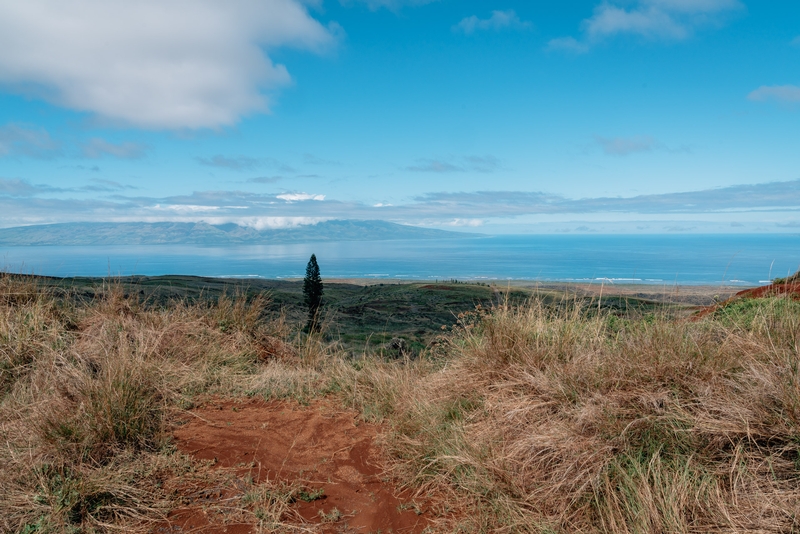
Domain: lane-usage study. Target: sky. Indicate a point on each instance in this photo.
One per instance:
(608, 116)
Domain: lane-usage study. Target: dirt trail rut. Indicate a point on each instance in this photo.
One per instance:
(319, 446)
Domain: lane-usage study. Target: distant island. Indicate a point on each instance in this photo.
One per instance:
(201, 233)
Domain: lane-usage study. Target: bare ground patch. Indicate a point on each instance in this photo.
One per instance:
(326, 454)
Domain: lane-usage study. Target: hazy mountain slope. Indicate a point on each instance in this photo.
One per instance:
(201, 233)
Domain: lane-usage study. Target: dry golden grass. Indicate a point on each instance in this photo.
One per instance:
(87, 392)
(523, 419)
(557, 421)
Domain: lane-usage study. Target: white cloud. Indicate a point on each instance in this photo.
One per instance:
(18, 140)
(470, 223)
(622, 146)
(185, 208)
(153, 63)
(500, 20)
(651, 19)
(97, 148)
(261, 223)
(781, 93)
(299, 197)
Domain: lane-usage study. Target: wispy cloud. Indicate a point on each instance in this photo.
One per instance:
(568, 44)
(750, 196)
(311, 159)
(154, 64)
(97, 148)
(779, 93)
(500, 20)
(22, 188)
(483, 164)
(243, 163)
(92, 168)
(101, 185)
(470, 223)
(774, 195)
(434, 165)
(265, 179)
(14, 187)
(238, 163)
(21, 140)
(392, 5)
(623, 146)
(299, 197)
(671, 20)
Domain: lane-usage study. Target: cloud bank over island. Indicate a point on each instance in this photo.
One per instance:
(26, 203)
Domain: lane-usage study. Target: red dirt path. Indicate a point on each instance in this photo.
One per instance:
(319, 446)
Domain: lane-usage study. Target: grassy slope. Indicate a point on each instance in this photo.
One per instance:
(543, 416)
(360, 317)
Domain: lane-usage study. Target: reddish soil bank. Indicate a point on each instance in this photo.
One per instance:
(791, 289)
(318, 446)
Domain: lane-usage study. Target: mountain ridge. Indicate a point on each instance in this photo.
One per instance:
(202, 233)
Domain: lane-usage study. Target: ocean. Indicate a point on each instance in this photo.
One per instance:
(647, 259)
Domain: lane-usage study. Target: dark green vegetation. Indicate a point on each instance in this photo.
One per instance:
(206, 234)
(392, 318)
(312, 294)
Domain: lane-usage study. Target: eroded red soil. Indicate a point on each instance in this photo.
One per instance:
(791, 289)
(318, 446)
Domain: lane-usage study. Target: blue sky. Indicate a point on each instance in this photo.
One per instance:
(500, 117)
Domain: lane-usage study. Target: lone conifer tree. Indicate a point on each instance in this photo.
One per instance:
(312, 293)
